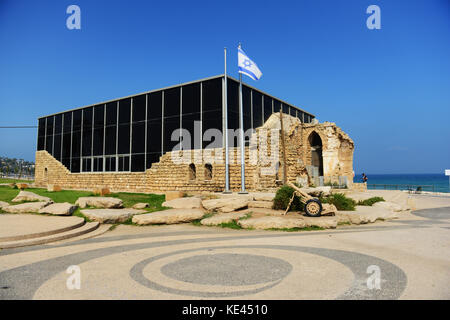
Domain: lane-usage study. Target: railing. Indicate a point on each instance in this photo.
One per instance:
(409, 187)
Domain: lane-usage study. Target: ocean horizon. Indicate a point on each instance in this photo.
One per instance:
(437, 182)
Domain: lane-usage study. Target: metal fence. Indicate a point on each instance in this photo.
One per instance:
(407, 187)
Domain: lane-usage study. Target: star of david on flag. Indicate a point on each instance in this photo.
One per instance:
(247, 66)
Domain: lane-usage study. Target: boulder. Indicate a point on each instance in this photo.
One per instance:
(260, 204)
(110, 215)
(3, 204)
(101, 191)
(53, 188)
(170, 195)
(99, 202)
(317, 191)
(59, 209)
(390, 206)
(328, 209)
(170, 216)
(184, 203)
(366, 214)
(272, 222)
(222, 218)
(352, 218)
(28, 207)
(141, 205)
(30, 196)
(263, 196)
(21, 186)
(226, 204)
(321, 222)
(264, 211)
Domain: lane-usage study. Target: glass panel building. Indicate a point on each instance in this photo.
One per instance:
(131, 133)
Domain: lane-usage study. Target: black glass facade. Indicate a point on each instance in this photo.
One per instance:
(130, 134)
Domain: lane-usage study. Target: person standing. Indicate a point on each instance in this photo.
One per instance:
(364, 178)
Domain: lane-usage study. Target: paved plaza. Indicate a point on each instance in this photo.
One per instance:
(410, 255)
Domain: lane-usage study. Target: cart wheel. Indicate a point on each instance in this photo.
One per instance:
(313, 208)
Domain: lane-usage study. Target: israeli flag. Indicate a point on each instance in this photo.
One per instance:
(247, 66)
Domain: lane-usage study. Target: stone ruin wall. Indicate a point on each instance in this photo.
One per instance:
(167, 175)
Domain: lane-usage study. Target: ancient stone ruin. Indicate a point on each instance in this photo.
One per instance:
(304, 153)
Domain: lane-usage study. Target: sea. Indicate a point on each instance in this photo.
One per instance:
(435, 182)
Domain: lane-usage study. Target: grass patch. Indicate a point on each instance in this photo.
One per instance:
(130, 199)
(232, 225)
(196, 222)
(370, 201)
(344, 223)
(6, 180)
(77, 213)
(61, 196)
(340, 201)
(8, 193)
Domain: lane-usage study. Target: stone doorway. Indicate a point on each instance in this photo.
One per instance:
(315, 143)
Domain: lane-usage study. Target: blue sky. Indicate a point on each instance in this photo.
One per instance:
(389, 89)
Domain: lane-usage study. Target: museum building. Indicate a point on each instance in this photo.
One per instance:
(130, 134)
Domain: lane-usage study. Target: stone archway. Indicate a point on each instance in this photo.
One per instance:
(315, 143)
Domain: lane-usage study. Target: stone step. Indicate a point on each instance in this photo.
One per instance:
(84, 229)
(21, 226)
(102, 228)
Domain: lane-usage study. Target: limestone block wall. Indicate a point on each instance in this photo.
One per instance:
(173, 171)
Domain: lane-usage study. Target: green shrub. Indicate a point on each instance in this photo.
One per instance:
(370, 201)
(282, 198)
(340, 201)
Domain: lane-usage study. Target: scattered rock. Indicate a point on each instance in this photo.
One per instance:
(390, 206)
(110, 215)
(352, 218)
(222, 218)
(21, 186)
(263, 196)
(184, 203)
(264, 211)
(170, 216)
(53, 188)
(28, 207)
(317, 191)
(226, 204)
(365, 214)
(321, 222)
(30, 196)
(141, 205)
(271, 222)
(101, 191)
(3, 204)
(328, 209)
(260, 204)
(99, 202)
(170, 195)
(59, 209)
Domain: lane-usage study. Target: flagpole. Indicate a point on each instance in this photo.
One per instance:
(225, 102)
(241, 135)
